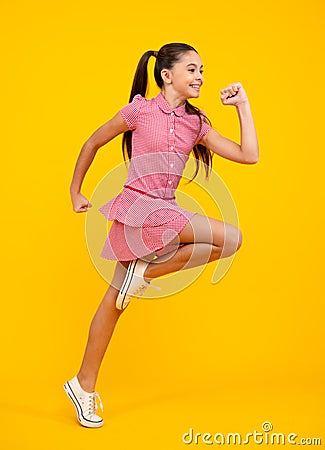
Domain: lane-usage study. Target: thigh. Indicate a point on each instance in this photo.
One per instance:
(208, 230)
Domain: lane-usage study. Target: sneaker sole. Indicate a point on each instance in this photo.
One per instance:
(81, 419)
(125, 286)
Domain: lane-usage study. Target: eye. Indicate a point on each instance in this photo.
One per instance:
(191, 70)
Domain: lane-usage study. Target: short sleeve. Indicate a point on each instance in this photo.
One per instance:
(204, 129)
(131, 111)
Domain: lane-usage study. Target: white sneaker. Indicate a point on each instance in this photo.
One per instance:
(85, 404)
(134, 285)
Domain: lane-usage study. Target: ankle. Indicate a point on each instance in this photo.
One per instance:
(86, 384)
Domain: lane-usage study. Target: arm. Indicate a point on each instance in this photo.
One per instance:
(247, 152)
(100, 137)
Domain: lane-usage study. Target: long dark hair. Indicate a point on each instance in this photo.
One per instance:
(166, 58)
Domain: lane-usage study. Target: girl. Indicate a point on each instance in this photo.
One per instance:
(151, 234)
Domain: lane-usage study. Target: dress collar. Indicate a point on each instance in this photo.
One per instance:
(166, 108)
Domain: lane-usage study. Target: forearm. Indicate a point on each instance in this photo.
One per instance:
(85, 158)
(248, 138)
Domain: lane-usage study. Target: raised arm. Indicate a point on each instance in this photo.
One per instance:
(247, 152)
(100, 137)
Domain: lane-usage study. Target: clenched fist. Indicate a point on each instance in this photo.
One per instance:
(233, 94)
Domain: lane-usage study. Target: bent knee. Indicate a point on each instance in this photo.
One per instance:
(237, 238)
(240, 239)
(233, 238)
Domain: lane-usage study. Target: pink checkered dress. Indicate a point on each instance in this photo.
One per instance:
(145, 215)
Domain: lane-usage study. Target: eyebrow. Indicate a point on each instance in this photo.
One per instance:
(193, 64)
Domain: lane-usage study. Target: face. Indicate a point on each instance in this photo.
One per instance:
(185, 78)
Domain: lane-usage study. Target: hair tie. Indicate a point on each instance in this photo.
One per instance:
(155, 54)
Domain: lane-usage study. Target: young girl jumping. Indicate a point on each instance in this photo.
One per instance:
(151, 234)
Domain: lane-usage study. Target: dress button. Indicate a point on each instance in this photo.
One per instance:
(169, 182)
(172, 113)
(172, 147)
(171, 130)
(171, 164)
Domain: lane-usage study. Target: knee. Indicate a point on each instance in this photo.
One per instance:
(233, 239)
(240, 239)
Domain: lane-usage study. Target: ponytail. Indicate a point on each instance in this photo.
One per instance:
(140, 81)
(139, 86)
(167, 56)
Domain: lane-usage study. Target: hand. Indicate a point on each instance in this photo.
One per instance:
(80, 203)
(233, 94)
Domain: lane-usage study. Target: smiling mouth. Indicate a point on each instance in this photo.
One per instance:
(196, 86)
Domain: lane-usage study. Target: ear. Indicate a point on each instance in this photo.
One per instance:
(166, 76)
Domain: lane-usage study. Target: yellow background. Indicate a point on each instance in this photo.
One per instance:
(217, 358)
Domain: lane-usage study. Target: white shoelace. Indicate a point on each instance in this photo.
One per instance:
(92, 406)
(143, 287)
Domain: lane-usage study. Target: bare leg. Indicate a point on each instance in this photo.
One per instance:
(100, 332)
(205, 240)
(186, 257)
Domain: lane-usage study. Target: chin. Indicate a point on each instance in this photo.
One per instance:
(194, 95)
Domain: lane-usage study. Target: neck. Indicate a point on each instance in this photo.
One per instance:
(172, 98)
